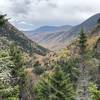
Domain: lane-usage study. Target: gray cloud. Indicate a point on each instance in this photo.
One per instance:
(51, 12)
(20, 6)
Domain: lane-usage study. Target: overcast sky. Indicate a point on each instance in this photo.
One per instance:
(29, 14)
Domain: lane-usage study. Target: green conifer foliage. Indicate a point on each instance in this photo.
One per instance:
(94, 92)
(56, 86)
(17, 72)
(82, 42)
(7, 91)
(2, 19)
(38, 68)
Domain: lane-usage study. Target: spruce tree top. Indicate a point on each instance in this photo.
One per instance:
(82, 41)
(98, 21)
(2, 20)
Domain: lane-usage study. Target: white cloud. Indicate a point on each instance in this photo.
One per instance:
(23, 25)
(51, 12)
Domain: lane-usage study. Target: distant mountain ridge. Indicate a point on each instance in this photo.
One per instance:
(58, 40)
(44, 30)
(49, 29)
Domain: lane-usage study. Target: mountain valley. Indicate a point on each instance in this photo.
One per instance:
(54, 40)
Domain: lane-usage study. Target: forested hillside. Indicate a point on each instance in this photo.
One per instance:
(13, 34)
(73, 73)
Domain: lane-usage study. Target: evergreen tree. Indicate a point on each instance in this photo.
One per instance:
(82, 42)
(18, 74)
(83, 80)
(2, 19)
(56, 86)
(38, 68)
(94, 92)
(7, 92)
(98, 21)
(69, 67)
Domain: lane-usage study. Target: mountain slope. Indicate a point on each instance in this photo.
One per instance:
(87, 25)
(17, 36)
(45, 31)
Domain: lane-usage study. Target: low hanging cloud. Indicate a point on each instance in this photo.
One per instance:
(28, 14)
